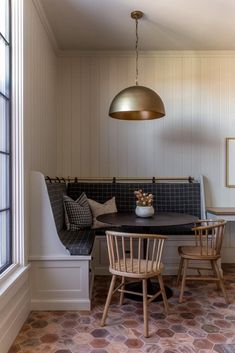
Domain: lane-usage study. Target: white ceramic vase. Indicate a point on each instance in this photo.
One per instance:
(144, 211)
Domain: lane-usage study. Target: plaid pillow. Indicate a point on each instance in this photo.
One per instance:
(77, 213)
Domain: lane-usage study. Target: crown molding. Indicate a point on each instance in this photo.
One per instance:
(149, 54)
(43, 18)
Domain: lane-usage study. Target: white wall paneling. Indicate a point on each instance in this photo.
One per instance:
(39, 81)
(14, 308)
(40, 84)
(198, 90)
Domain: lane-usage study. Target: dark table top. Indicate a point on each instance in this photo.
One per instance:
(160, 219)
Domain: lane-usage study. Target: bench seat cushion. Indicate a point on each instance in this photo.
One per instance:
(79, 242)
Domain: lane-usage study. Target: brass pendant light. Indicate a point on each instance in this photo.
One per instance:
(137, 102)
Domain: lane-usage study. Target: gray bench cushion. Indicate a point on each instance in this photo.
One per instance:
(78, 242)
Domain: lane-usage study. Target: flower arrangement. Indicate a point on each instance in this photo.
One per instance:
(143, 199)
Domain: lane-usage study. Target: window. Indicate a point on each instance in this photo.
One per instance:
(5, 136)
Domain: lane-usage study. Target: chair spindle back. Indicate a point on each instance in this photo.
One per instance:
(134, 253)
(209, 236)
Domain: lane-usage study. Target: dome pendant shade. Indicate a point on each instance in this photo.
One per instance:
(137, 103)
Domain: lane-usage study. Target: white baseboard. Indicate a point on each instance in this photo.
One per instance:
(60, 304)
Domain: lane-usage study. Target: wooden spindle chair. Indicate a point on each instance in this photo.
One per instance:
(135, 256)
(208, 242)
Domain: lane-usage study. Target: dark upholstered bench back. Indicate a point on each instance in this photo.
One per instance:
(168, 197)
(101, 192)
(56, 191)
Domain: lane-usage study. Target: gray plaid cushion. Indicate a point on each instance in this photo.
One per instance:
(79, 242)
(77, 213)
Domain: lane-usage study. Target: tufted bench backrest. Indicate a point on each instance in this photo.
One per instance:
(101, 192)
(168, 197)
(56, 191)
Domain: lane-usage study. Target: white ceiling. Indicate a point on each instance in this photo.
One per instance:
(167, 24)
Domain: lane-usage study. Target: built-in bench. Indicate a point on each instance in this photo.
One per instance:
(168, 197)
(78, 242)
(182, 197)
(61, 259)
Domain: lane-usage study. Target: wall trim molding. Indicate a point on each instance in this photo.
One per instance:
(149, 54)
(46, 24)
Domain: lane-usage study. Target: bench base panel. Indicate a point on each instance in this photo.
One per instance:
(60, 285)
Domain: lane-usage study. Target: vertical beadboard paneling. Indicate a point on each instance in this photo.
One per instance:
(75, 116)
(40, 84)
(39, 119)
(198, 92)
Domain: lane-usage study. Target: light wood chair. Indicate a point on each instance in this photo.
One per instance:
(208, 242)
(135, 256)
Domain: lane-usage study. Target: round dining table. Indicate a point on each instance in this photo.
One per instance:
(157, 222)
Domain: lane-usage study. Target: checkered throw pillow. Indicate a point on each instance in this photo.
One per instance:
(77, 213)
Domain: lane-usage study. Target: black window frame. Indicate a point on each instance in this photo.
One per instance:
(8, 42)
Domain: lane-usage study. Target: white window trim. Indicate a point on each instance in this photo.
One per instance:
(19, 262)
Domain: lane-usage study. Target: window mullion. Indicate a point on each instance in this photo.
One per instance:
(5, 40)
(5, 142)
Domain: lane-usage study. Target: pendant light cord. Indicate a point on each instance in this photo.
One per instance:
(137, 53)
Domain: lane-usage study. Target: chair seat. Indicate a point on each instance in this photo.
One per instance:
(130, 268)
(198, 253)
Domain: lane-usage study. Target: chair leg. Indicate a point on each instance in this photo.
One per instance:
(221, 282)
(122, 293)
(145, 308)
(108, 300)
(179, 271)
(185, 266)
(165, 301)
(215, 273)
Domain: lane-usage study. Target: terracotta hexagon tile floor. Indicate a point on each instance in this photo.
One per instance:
(202, 324)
